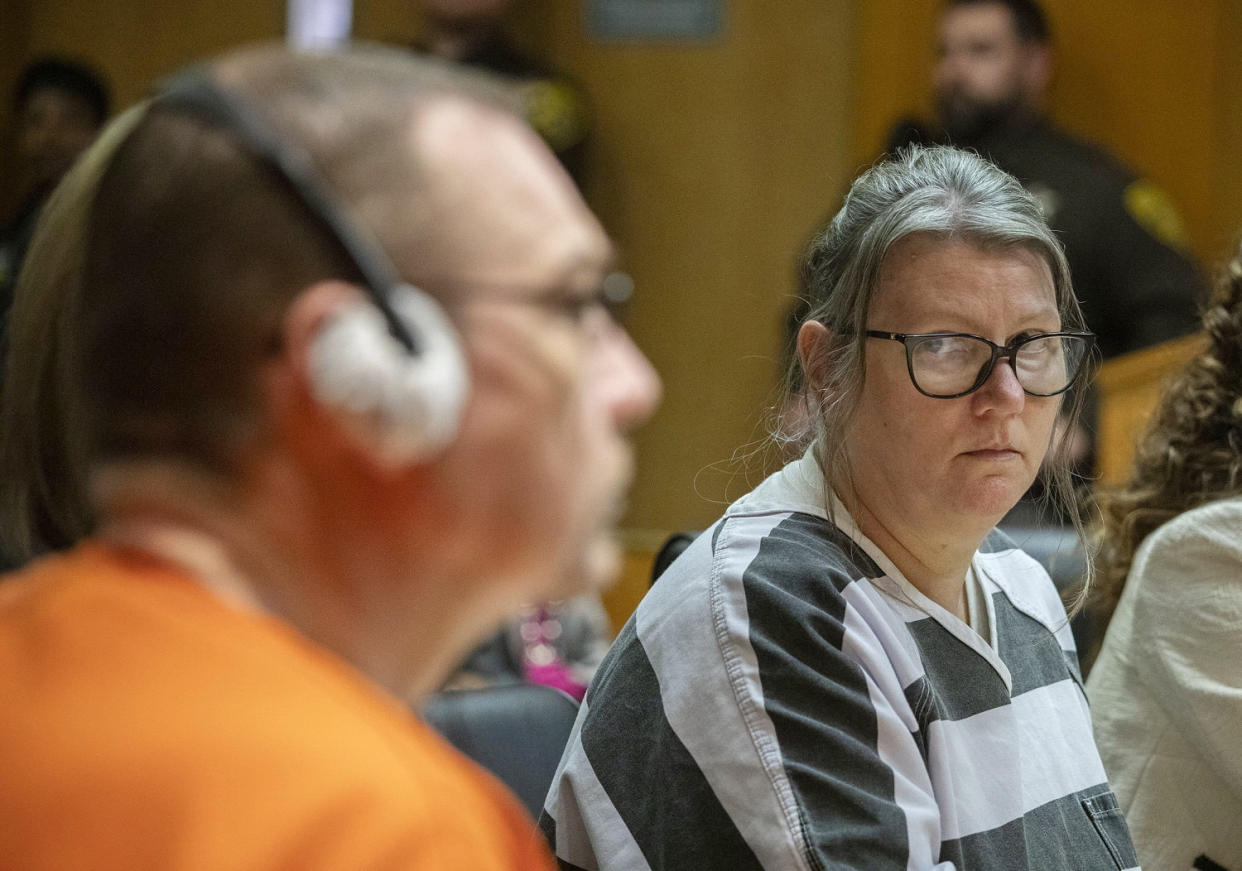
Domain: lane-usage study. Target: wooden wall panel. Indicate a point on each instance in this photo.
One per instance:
(138, 41)
(13, 20)
(896, 49)
(1129, 387)
(1226, 169)
(710, 164)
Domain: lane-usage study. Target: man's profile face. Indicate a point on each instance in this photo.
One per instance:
(541, 462)
(982, 70)
(53, 128)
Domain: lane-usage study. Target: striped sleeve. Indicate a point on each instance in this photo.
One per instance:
(749, 717)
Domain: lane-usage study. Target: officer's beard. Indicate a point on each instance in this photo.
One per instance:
(967, 121)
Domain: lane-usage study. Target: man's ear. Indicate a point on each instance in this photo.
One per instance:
(309, 312)
(290, 383)
(340, 361)
(814, 342)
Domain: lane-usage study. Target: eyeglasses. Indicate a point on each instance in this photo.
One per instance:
(611, 296)
(949, 365)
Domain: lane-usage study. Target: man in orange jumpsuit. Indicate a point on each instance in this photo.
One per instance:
(313, 486)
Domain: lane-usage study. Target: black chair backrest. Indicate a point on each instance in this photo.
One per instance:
(515, 731)
(1057, 549)
(669, 551)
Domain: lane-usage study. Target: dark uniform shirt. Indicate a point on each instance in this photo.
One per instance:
(14, 242)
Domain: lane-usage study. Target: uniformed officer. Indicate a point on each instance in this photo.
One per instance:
(1125, 242)
(58, 107)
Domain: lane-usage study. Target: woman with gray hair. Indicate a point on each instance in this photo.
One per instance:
(851, 668)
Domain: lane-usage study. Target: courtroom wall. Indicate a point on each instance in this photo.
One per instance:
(711, 162)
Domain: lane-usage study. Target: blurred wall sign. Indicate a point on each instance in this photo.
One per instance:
(655, 20)
(318, 23)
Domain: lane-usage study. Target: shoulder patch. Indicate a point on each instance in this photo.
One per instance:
(557, 112)
(1154, 211)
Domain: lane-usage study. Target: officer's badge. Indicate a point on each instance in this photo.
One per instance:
(556, 112)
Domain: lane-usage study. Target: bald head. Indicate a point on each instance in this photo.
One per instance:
(503, 206)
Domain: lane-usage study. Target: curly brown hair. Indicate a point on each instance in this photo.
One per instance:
(1191, 452)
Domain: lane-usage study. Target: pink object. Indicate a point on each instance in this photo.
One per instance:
(558, 676)
(541, 661)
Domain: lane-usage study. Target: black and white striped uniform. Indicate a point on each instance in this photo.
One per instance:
(785, 699)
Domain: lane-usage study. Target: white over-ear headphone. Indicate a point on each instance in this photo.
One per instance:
(403, 406)
(390, 369)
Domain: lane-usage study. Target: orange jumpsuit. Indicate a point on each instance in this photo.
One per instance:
(145, 724)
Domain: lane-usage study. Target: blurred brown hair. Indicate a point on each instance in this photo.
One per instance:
(42, 502)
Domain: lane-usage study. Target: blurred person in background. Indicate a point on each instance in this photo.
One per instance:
(1124, 239)
(1166, 689)
(59, 105)
(312, 487)
(557, 644)
(477, 33)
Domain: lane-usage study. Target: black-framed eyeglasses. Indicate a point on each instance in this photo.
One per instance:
(949, 365)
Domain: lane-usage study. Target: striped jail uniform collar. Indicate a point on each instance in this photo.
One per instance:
(784, 699)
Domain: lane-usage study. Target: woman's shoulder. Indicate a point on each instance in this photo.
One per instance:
(1197, 549)
(1217, 522)
(775, 574)
(792, 548)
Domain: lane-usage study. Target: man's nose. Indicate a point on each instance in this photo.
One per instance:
(630, 386)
